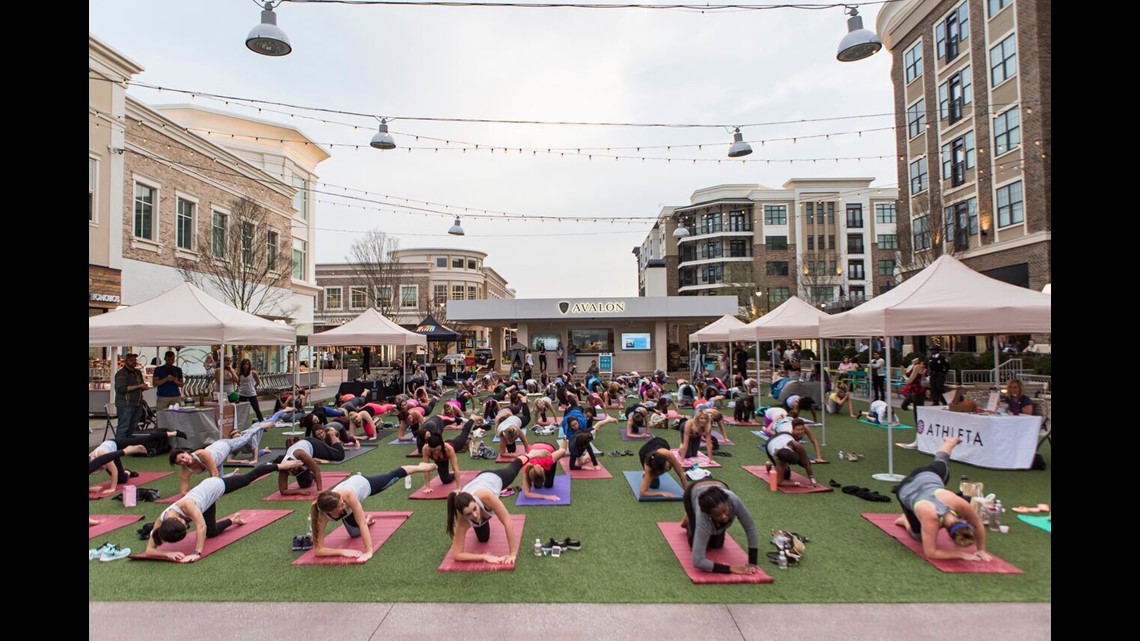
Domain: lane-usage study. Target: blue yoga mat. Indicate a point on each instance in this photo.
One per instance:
(561, 489)
(668, 484)
(893, 427)
(397, 441)
(1036, 521)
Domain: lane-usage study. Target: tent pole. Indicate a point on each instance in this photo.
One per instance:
(757, 379)
(890, 475)
(823, 390)
(996, 364)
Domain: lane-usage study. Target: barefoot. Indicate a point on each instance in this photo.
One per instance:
(370, 520)
(235, 519)
(133, 450)
(92, 522)
(287, 466)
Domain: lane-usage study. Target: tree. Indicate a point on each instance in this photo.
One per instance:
(740, 281)
(371, 259)
(246, 255)
(927, 236)
(819, 275)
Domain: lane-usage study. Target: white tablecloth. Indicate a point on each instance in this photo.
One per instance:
(1000, 442)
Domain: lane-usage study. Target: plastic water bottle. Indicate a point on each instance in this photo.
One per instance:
(782, 560)
(408, 482)
(995, 516)
(538, 547)
(840, 454)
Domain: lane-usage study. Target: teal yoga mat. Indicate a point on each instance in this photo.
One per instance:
(1037, 521)
(893, 427)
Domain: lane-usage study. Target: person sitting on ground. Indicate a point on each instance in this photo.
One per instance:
(686, 394)
(656, 459)
(345, 503)
(710, 508)
(839, 398)
(540, 469)
(929, 507)
(472, 508)
(1017, 402)
(784, 451)
(879, 413)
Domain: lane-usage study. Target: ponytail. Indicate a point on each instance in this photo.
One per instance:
(456, 502)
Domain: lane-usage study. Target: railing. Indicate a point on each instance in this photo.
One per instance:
(1005, 372)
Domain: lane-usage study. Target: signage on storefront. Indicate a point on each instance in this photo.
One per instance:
(599, 307)
(105, 298)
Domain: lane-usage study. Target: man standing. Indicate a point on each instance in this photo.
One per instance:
(129, 387)
(742, 363)
(366, 360)
(168, 382)
(937, 365)
(572, 358)
(878, 377)
(542, 357)
(593, 370)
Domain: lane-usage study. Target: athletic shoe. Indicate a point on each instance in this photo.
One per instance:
(98, 552)
(114, 553)
(570, 544)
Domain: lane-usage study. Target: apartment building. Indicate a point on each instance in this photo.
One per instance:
(831, 241)
(972, 81)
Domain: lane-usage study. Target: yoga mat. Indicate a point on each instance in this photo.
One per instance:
(668, 484)
(730, 554)
(811, 457)
(886, 523)
(729, 421)
(700, 459)
(254, 521)
(760, 472)
(93, 491)
(351, 453)
(496, 546)
(441, 492)
(721, 437)
(561, 489)
(625, 436)
(328, 481)
(1035, 520)
(110, 522)
(262, 458)
(760, 435)
(506, 459)
(382, 528)
(406, 441)
(601, 473)
(673, 415)
(872, 424)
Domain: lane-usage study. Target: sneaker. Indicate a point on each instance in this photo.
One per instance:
(114, 553)
(570, 544)
(98, 552)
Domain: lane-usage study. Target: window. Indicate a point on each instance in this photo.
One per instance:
(916, 118)
(246, 243)
(300, 269)
(384, 296)
(773, 243)
(775, 214)
(439, 294)
(854, 243)
(811, 243)
(145, 199)
(301, 198)
(918, 180)
(855, 215)
(218, 234)
(184, 225)
(819, 241)
(714, 222)
(711, 249)
(780, 294)
(954, 94)
(831, 241)
(92, 180)
(471, 264)
(712, 274)
(441, 262)
(687, 277)
(855, 270)
(888, 241)
(831, 269)
(858, 292)
(409, 296)
(823, 294)
(332, 298)
(1007, 131)
(457, 292)
(1003, 61)
(809, 213)
(457, 263)
(472, 292)
(951, 31)
(1011, 209)
(912, 61)
(592, 341)
(961, 221)
(738, 221)
(921, 229)
(688, 252)
(357, 297)
(885, 213)
(777, 268)
(958, 156)
(886, 268)
(998, 5)
(739, 248)
(272, 238)
(830, 213)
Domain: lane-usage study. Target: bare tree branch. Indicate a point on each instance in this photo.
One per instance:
(371, 259)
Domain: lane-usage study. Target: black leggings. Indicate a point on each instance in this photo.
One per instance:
(941, 467)
(232, 484)
(695, 445)
(716, 541)
(99, 461)
(321, 450)
(256, 407)
(458, 443)
(376, 485)
(508, 474)
(140, 438)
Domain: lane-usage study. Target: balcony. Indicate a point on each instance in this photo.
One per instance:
(844, 303)
(958, 173)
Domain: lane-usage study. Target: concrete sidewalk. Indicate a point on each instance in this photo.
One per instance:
(144, 621)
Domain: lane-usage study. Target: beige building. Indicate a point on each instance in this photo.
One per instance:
(831, 241)
(972, 82)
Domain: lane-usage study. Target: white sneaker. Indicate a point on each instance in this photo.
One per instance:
(98, 552)
(114, 553)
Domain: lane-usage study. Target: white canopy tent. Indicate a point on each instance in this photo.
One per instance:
(185, 315)
(945, 298)
(717, 332)
(370, 328)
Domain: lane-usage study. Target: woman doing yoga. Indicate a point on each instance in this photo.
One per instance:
(473, 507)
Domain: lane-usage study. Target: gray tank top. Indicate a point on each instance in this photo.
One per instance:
(204, 495)
(246, 385)
(484, 481)
(358, 485)
(922, 488)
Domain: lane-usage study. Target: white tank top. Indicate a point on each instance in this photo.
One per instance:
(204, 495)
(246, 385)
(778, 442)
(299, 445)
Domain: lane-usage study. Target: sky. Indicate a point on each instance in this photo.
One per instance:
(753, 68)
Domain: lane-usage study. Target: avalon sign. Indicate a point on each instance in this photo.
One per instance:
(601, 307)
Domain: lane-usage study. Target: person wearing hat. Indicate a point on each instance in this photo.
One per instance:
(938, 366)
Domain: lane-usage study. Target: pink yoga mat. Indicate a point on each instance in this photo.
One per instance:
(383, 526)
(760, 472)
(561, 489)
(730, 554)
(110, 522)
(496, 546)
(602, 473)
(254, 521)
(720, 437)
(701, 459)
(886, 523)
(93, 492)
(328, 480)
(441, 492)
(506, 459)
(730, 421)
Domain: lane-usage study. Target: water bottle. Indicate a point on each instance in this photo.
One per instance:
(538, 547)
(782, 560)
(995, 516)
(840, 455)
(408, 482)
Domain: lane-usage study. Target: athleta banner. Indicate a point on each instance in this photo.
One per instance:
(999, 442)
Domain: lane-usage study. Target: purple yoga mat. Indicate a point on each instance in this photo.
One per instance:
(561, 489)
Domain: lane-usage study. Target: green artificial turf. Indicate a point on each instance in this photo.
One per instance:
(624, 558)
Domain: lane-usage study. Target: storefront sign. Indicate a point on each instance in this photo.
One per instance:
(599, 307)
(605, 363)
(105, 298)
